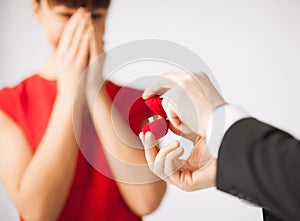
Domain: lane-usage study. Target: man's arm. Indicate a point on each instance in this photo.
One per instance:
(259, 163)
(256, 162)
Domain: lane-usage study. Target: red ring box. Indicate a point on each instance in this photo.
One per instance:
(154, 103)
(158, 127)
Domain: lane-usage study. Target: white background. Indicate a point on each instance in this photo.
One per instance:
(252, 47)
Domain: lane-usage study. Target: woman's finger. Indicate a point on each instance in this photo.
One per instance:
(69, 30)
(83, 51)
(78, 35)
(95, 71)
(94, 45)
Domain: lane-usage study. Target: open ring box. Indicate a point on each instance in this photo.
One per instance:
(158, 124)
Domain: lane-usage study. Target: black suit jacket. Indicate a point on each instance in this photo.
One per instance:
(261, 164)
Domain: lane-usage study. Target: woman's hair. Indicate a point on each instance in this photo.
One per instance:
(79, 3)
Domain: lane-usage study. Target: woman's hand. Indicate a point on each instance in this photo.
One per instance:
(195, 173)
(40, 183)
(71, 57)
(94, 77)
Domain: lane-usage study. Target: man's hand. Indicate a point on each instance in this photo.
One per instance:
(195, 173)
(189, 100)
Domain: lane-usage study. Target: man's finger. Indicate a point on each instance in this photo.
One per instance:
(172, 162)
(159, 163)
(149, 143)
(172, 112)
(159, 86)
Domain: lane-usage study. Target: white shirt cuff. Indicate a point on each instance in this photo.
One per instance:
(219, 122)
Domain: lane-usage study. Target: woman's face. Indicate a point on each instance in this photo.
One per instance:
(53, 19)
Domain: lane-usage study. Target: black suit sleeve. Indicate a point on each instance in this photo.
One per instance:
(261, 164)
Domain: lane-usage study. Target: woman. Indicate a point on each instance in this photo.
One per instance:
(41, 167)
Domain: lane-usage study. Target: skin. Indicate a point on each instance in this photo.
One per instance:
(76, 38)
(200, 169)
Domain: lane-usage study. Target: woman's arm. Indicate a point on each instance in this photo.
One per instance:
(39, 184)
(128, 164)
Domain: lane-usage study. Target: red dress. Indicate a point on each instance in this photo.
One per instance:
(93, 196)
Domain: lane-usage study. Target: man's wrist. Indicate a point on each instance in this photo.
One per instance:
(221, 119)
